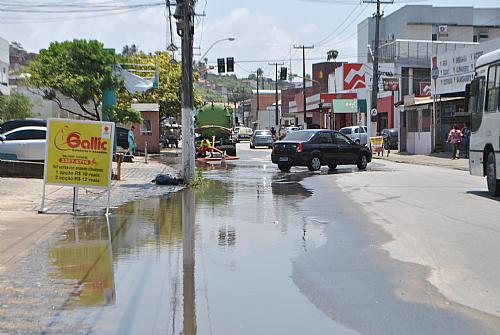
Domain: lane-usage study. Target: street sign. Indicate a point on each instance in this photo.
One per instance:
(373, 112)
(390, 84)
(435, 73)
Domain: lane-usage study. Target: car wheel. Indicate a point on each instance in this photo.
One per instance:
(357, 141)
(284, 167)
(491, 175)
(270, 147)
(252, 146)
(362, 162)
(332, 166)
(231, 152)
(314, 164)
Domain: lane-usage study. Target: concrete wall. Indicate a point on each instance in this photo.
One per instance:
(17, 169)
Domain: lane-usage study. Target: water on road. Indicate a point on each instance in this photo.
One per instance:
(253, 251)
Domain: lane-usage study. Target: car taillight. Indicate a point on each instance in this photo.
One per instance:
(299, 147)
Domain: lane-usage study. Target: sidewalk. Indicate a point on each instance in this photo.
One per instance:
(441, 159)
(22, 228)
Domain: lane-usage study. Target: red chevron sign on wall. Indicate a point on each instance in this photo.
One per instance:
(354, 76)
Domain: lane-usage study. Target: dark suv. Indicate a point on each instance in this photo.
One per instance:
(314, 148)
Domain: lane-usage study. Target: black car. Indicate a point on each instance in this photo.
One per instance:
(314, 148)
(122, 137)
(17, 123)
(390, 137)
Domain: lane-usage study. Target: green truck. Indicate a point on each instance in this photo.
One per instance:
(215, 121)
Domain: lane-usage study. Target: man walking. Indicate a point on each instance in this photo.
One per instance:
(455, 138)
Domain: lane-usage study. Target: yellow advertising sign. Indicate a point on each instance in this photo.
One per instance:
(377, 143)
(79, 153)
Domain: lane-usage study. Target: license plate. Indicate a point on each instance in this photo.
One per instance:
(283, 159)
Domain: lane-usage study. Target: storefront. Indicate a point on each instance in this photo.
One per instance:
(416, 123)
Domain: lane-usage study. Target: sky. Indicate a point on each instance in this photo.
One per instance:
(264, 30)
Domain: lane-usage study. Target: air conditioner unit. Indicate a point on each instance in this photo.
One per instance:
(443, 30)
(483, 36)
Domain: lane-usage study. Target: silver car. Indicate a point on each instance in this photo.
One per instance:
(24, 143)
(356, 133)
(261, 138)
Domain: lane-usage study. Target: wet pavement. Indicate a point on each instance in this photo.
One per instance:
(254, 251)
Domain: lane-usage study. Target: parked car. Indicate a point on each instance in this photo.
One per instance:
(122, 137)
(314, 148)
(356, 133)
(288, 130)
(243, 133)
(391, 137)
(261, 138)
(170, 139)
(24, 143)
(16, 123)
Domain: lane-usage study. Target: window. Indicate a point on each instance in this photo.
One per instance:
(476, 101)
(435, 37)
(340, 139)
(325, 138)
(357, 130)
(146, 127)
(346, 131)
(492, 89)
(412, 116)
(19, 135)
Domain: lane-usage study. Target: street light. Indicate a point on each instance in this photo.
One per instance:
(230, 39)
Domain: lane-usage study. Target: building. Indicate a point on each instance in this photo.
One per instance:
(4, 67)
(410, 37)
(266, 98)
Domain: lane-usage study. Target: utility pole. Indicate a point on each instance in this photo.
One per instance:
(243, 106)
(185, 28)
(303, 47)
(258, 102)
(374, 96)
(276, 115)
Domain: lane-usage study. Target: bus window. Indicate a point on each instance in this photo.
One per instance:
(476, 102)
(492, 89)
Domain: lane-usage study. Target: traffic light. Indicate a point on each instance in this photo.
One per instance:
(283, 74)
(221, 65)
(230, 64)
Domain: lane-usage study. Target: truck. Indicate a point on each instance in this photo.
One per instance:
(214, 122)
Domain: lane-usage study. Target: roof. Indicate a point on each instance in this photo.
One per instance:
(428, 100)
(488, 58)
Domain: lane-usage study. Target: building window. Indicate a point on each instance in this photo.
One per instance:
(146, 128)
(474, 39)
(435, 37)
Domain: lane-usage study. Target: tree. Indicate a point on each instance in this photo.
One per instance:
(169, 92)
(130, 50)
(332, 55)
(16, 106)
(79, 70)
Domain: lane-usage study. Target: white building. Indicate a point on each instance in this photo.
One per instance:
(4, 67)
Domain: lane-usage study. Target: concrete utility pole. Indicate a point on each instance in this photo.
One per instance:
(258, 102)
(303, 47)
(374, 96)
(276, 94)
(185, 28)
(243, 106)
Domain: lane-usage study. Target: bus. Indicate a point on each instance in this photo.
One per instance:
(484, 101)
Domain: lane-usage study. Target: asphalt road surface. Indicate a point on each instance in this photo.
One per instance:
(398, 249)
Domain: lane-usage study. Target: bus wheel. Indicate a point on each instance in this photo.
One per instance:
(491, 175)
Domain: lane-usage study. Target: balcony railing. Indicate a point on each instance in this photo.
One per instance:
(416, 52)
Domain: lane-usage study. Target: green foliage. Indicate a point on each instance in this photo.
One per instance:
(123, 115)
(16, 106)
(199, 181)
(169, 93)
(77, 69)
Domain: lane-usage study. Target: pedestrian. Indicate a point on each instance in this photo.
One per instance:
(131, 142)
(466, 140)
(455, 138)
(273, 134)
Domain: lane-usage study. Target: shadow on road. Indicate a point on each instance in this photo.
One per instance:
(484, 194)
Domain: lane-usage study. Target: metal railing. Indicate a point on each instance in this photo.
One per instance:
(416, 52)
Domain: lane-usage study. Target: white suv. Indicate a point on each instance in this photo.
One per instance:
(356, 133)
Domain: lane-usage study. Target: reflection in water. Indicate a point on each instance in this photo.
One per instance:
(188, 238)
(87, 258)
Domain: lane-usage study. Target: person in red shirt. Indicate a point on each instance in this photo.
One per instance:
(455, 138)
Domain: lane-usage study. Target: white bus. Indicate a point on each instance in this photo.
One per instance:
(484, 101)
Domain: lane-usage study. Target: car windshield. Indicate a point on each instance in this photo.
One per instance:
(302, 136)
(262, 132)
(346, 131)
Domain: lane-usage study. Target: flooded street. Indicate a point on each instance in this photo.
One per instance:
(254, 251)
